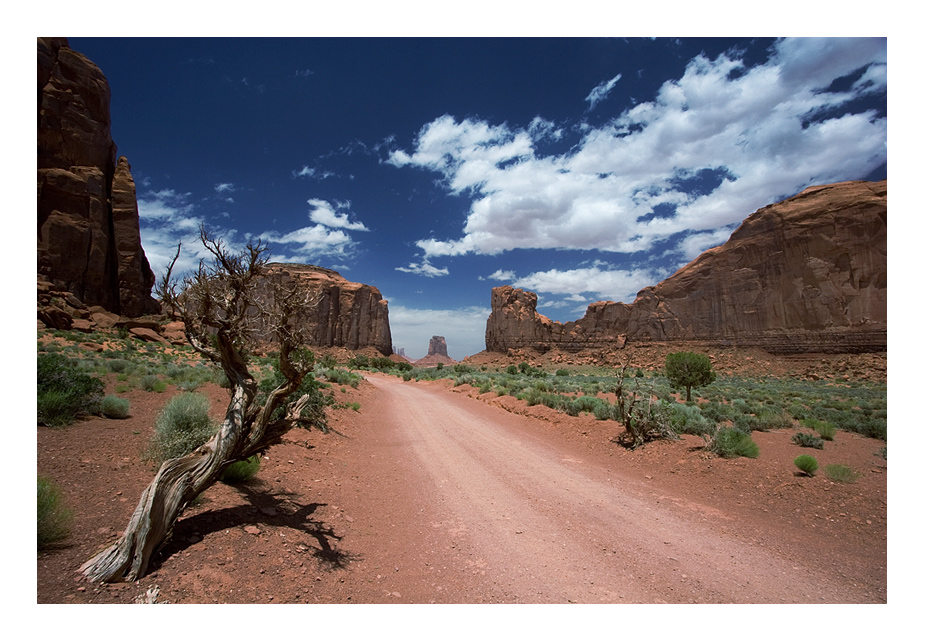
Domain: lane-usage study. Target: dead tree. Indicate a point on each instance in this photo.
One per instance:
(221, 309)
(641, 416)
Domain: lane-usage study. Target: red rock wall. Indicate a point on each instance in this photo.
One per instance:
(807, 274)
(348, 315)
(88, 229)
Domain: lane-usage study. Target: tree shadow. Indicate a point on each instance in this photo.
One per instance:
(263, 508)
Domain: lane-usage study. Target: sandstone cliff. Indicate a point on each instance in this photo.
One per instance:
(807, 274)
(348, 315)
(88, 231)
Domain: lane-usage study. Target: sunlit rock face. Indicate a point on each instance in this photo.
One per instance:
(807, 274)
(342, 313)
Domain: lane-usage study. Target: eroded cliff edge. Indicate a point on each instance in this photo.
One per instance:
(89, 243)
(807, 274)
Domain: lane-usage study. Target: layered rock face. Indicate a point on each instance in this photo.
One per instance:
(437, 346)
(807, 274)
(88, 231)
(348, 315)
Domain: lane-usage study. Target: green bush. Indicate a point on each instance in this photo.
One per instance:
(688, 369)
(153, 383)
(807, 440)
(64, 393)
(54, 519)
(841, 473)
(807, 464)
(114, 407)
(241, 471)
(825, 429)
(689, 420)
(182, 426)
(732, 442)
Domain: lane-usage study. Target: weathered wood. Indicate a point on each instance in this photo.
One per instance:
(215, 306)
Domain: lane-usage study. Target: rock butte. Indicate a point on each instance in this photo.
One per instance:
(88, 235)
(436, 354)
(807, 274)
(348, 315)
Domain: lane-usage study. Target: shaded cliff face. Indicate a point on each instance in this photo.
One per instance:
(348, 315)
(807, 274)
(88, 231)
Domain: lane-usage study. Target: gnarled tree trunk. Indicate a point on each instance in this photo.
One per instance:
(215, 306)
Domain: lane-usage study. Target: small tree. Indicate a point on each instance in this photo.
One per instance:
(223, 313)
(687, 369)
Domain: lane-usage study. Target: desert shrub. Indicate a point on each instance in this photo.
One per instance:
(719, 412)
(511, 369)
(768, 419)
(561, 372)
(153, 383)
(841, 473)
(63, 392)
(182, 426)
(118, 365)
(689, 420)
(605, 410)
(806, 464)
(54, 519)
(241, 471)
(806, 440)
(826, 431)
(730, 443)
(114, 407)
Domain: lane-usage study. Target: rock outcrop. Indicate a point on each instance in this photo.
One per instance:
(436, 353)
(347, 315)
(807, 274)
(437, 346)
(89, 242)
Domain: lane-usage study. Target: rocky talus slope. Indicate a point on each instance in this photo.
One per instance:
(807, 274)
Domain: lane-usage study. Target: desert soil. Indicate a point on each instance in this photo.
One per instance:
(433, 494)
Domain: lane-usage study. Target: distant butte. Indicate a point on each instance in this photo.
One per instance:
(436, 354)
(804, 275)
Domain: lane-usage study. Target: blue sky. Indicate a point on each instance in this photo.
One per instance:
(435, 169)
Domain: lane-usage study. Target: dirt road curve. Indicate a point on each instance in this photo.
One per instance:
(530, 523)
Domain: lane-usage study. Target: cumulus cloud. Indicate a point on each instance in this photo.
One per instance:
(502, 275)
(710, 148)
(166, 218)
(328, 237)
(600, 92)
(424, 269)
(337, 215)
(600, 281)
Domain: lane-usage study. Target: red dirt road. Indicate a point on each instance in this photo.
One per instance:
(432, 494)
(543, 524)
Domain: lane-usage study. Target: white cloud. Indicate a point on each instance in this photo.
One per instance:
(600, 92)
(165, 219)
(224, 187)
(463, 328)
(312, 172)
(424, 269)
(755, 134)
(609, 284)
(501, 275)
(338, 215)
